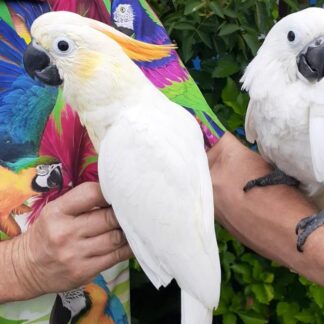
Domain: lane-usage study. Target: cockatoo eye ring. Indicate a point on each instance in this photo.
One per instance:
(291, 36)
(63, 46)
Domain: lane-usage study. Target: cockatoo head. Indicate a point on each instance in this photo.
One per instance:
(70, 49)
(294, 48)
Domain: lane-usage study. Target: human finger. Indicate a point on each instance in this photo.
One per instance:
(96, 222)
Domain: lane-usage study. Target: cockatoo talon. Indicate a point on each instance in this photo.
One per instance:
(307, 226)
(274, 178)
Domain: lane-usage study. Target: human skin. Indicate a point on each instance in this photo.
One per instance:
(69, 244)
(263, 219)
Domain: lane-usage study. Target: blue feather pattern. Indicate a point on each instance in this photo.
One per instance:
(29, 10)
(114, 307)
(25, 104)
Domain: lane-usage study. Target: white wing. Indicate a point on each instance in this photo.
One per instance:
(316, 133)
(250, 131)
(154, 171)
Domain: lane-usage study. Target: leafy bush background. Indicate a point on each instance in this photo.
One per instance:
(217, 39)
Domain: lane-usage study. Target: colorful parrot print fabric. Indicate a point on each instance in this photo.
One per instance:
(45, 151)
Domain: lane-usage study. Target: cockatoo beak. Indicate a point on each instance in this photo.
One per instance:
(38, 64)
(310, 61)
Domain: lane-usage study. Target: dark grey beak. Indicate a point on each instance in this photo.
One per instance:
(38, 64)
(310, 61)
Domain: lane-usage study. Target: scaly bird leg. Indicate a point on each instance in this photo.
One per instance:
(307, 226)
(276, 177)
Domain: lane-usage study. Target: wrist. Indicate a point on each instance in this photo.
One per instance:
(10, 263)
(20, 274)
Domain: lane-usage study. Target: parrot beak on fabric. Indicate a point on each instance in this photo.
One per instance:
(311, 60)
(38, 64)
(48, 177)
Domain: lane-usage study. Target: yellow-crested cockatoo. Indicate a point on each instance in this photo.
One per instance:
(153, 168)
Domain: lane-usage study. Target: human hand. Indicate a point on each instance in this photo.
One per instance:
(75, 238)
(265, 218)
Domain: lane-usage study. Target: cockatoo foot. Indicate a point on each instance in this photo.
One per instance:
(276, 177)
(307, 226)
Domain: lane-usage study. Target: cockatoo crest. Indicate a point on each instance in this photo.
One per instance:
(67, 22)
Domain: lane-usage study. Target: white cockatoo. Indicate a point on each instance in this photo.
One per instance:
(153, 168)
(286, 111)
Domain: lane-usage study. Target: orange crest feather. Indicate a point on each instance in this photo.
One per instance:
(136, 50)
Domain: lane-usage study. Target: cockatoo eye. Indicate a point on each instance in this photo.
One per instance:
(63, 46)
(291, 36)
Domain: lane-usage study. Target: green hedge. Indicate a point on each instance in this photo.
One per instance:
(225, 35)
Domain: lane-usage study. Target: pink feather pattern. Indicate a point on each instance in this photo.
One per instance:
(94, 9)
(72, 147)
(165, 75)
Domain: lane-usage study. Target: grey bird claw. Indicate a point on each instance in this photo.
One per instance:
(307, 226)
(274, 178)
(251, 184)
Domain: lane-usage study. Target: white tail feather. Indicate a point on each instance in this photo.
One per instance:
(193, 311)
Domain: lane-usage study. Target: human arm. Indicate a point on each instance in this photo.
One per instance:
(264, 219)
(67, 246)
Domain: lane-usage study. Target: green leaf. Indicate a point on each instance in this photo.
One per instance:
(252, 42)
(264, 293)
(244, 270)
(230, 91)
(318, 294)
(267, 277)
(186, 48)
(228, 29)
(205, 38)
(251, 318)
(233, 122)
(229, 318)
(193, 6)
(226, 67)
(306, 316)
(287, 312)
(216, 8)
(292, 4)
(233, 98)
(304, 281)
(229, 13)
(184, 26)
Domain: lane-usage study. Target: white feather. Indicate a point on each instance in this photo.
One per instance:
(316, 132)
(153, 168)
(285, 114)
(154, 171)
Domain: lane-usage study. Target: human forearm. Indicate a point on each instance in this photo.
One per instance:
(69, 244)
(264, 218)
(11, 264)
